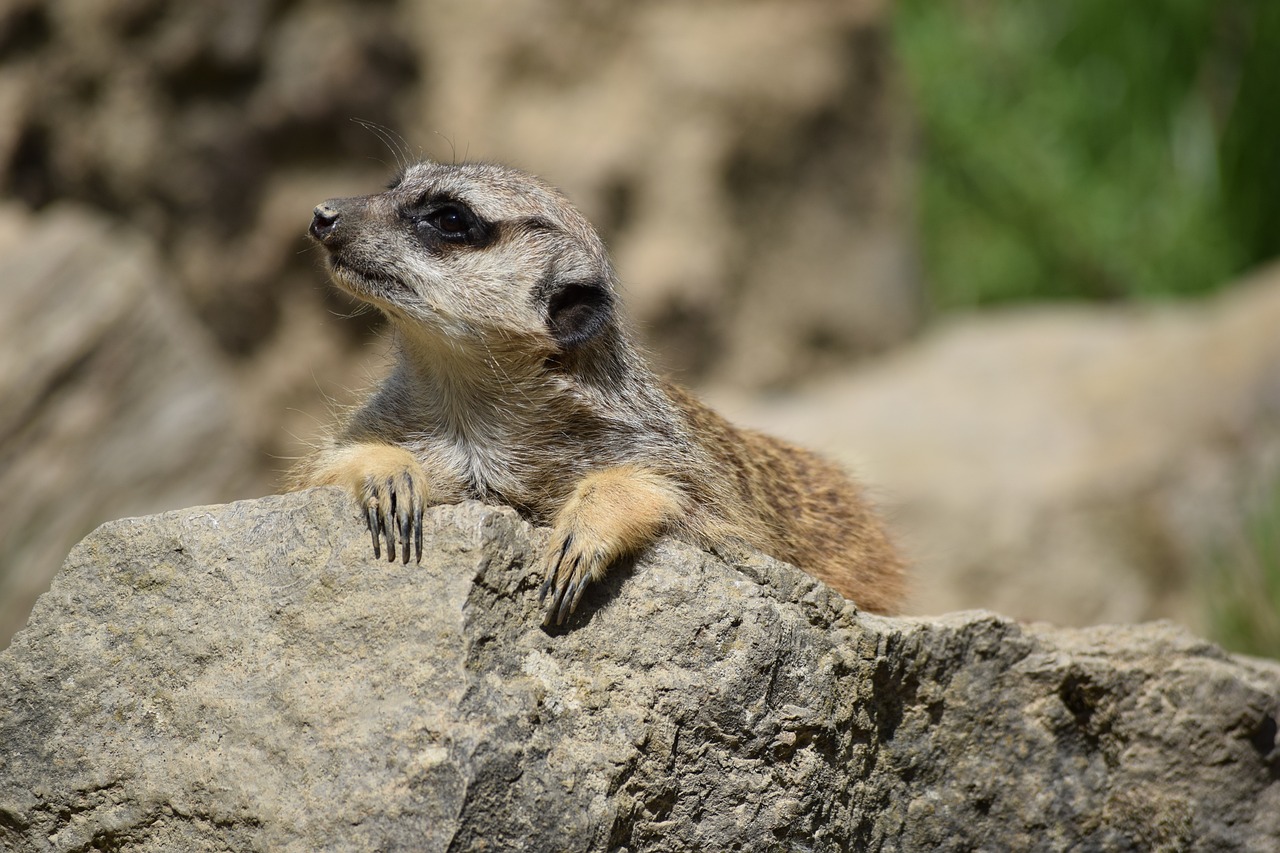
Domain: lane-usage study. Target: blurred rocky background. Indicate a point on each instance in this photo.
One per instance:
(1007, 259)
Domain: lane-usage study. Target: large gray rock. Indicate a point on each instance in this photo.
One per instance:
(247, 677)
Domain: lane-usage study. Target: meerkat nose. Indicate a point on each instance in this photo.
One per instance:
(324, 222)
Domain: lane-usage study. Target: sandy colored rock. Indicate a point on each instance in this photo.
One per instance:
(248, 677)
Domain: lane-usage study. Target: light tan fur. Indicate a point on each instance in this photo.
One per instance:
(516, 382)
(611, 514)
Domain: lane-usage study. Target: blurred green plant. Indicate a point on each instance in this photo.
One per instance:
(1093, 149)
(1242, 585)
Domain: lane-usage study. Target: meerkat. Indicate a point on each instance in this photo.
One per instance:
(516, 381)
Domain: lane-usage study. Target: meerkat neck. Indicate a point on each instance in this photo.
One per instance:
(457, 374)
(508, 385)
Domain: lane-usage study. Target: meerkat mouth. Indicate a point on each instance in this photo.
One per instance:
(363, 282)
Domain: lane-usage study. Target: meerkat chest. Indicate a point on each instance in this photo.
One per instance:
(493, 462)
(488, 468)
(524, 447)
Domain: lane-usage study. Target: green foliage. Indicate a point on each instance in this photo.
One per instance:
(1243, 584)
(1089, 148)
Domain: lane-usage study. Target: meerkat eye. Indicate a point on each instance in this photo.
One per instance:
(446, 221)
(450, 220)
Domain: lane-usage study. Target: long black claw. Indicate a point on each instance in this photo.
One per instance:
(577, 590)
(404, 516)
(552, 602)
(387, 518)
(371, 518)
(417, 531)
(388, 536)
(565, 605)
(405, 541)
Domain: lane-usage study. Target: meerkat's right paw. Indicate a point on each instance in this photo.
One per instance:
(613, 512)
(390, 486)
(394, 503)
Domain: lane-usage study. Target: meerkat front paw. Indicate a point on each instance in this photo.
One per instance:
(575, 558)
(394, 504)
(390, 486)
(611, 513)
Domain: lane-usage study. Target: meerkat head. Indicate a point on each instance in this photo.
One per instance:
(473, 254)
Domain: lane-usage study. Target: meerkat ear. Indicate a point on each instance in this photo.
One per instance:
(578, 312)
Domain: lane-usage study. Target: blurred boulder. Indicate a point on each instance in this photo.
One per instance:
(181, 117)
(1075, 464)
(113, 400)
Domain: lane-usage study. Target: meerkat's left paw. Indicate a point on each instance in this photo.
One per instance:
(394, 503)
(612, 513)
(574, 559)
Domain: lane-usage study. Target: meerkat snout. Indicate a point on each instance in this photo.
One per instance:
(324, 222)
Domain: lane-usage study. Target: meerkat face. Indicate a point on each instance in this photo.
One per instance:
(472, 253)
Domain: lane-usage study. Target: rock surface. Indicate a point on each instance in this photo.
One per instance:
(247, 677)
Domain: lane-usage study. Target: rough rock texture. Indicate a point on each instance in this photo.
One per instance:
(1075, 465)
(190, 119)
(111, 397)
(246, 677)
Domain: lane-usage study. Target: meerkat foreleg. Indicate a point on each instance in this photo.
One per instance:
(390, 485)
(612, 513)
